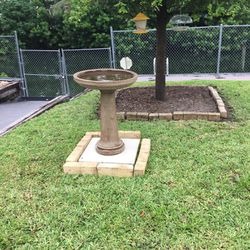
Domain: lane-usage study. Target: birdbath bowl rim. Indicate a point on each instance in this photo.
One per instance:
(105, 79)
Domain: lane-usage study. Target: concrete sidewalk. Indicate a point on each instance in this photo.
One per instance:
(190, 77)
(11, 112)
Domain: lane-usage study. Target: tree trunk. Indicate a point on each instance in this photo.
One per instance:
(161, 23)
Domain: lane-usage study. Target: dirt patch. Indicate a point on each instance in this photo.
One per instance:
(178, 98)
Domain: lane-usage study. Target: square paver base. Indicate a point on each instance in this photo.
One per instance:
(85, 160)
(128, 156)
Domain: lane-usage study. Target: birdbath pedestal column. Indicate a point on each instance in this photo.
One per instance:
(110, 142)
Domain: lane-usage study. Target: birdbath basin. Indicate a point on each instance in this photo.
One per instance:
(107, 81)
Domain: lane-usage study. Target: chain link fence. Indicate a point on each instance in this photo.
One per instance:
(212, 49)
(48, 73)
(43, 73)
(83, 59)
(10, 67)
(235, 49)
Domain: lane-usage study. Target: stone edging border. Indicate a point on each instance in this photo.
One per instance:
(180, 115)
(218, 100)
(73, 166)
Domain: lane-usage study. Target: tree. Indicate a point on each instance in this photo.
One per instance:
(35, 26)
(228, 12)
(87, 23)
(30, 25)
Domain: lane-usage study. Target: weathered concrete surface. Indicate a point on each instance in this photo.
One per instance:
(11, 112)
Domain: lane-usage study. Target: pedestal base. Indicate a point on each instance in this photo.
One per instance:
(106, 150)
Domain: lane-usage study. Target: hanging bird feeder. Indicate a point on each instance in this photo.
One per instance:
(141, 22)
(180, 22)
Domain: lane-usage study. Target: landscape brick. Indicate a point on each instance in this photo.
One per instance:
(84, 141)
(190, 115)
(94, 133)
(214, 116)
(140, 168)
(214, 93)
(145, 145)
(223, 112)
(165, 116)
(178, 115)
(131, 115)
(75, 154)
(80, 168)
(130, 134)
(142, 116)
(112, 169)
(120, 115)
(202, 115)
(153, 116)
(220, 103)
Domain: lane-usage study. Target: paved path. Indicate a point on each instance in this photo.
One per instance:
(189, 77)
(11, 112)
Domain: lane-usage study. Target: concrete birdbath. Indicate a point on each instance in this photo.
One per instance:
(107, 81)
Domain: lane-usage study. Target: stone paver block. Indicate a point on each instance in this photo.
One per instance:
(202, 115)
(94, 134)
(80, 168)
(75, 155)
(165, 116)
(214, 93)
(153, 116)
(140, 168)
(214, 116)
(178, 115)
(131, 115)
(120, 115)
(141, 163)
(223, 112)
(142, 116)
(220, 103)
(84, 141)
(130, 134)
(190, 115)
(145, 145)
(118, 170)
(143, 157)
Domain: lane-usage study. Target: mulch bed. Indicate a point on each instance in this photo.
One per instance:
(178, 98)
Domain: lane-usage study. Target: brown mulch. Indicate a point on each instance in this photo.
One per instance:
(178, 98)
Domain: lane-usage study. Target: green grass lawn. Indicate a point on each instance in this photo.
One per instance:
(195, 193)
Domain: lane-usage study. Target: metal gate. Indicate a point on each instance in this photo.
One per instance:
(49, 73)
(43, 73)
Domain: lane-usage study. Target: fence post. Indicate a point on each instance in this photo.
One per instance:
(21, 69)
(112, 46)
(219, 52)
(64, 73)
(25, 86)
(62, 77)
(110, 58)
